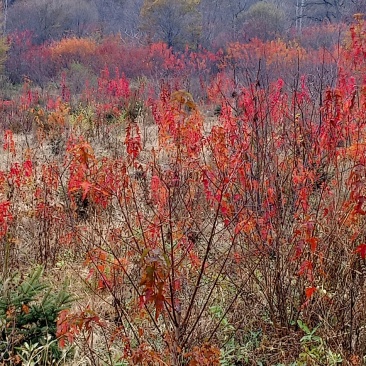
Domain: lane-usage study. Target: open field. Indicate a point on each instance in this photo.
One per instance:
(209, 213)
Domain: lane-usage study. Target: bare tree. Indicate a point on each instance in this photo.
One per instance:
(327, 10)
(174, 22)
(52, 19)
(221, 20)
(119, 16)
(263, 20)
(5, 14)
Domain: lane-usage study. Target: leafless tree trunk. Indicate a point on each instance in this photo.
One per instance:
(5, 18)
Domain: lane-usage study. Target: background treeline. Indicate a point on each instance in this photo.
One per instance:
(178, 23)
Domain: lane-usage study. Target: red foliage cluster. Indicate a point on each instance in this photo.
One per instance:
(42, 63)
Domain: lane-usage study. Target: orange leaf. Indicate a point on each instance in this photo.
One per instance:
(159, 302)
(25, 308)
(309, 292)
(86, 188)
(313, 243)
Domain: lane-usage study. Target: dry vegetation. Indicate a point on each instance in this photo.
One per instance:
(224, 232)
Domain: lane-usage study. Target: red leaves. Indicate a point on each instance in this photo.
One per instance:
(309, 292)
(15, 174)
(159, 193)
(115, 90)
(6, 217)
(313, 242)
(27, 168)
(246, 226)
(19, 174)
(358, 207)
(306, 268)
(105, 271)
(82, 153)
(9, 144)
(133, 140)
(85, 186)
(82, 162)
(86, 176)
(361, 250)
(159, 300)
(69, 325)
(153, 280)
